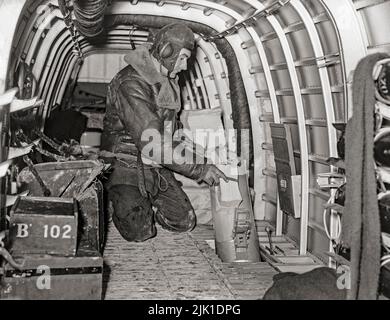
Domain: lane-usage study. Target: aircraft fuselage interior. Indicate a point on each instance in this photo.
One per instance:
(289, 102)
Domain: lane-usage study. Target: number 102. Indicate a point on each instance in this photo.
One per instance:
(55, 231)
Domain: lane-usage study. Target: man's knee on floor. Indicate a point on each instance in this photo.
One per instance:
(132, 214)
(134, 232)
(177, 223)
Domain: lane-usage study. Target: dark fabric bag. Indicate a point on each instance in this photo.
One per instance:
(318, 284)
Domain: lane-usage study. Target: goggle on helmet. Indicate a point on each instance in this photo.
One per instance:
(169, 41)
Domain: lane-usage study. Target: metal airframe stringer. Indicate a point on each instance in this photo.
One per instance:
(302, 130)
(327, 92)
(352, 44)
(208, 78)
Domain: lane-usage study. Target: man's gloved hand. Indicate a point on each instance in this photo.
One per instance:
(212, 175)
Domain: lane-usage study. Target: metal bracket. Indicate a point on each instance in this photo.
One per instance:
(251, 19)
(328, 60)
(242, 228)
(330, 180)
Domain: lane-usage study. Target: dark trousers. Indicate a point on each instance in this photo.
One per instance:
(133, 214)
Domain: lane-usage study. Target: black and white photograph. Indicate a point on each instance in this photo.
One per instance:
(205, 152)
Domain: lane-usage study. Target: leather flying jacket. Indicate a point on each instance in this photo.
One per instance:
(135, 103)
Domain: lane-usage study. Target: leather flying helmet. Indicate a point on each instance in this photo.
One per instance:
(169, 41)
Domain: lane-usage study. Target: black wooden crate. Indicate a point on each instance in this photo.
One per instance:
(47, 277)
(44, 226)
(74, 179)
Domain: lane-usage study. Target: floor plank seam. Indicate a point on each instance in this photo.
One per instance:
(162, 270)
(216, 269)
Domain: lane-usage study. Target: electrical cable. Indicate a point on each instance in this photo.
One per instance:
(385, 260)
(338, 221)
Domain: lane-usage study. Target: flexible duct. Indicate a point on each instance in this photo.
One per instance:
(89, 16)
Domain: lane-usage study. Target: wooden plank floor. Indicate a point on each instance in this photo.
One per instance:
(178, 266)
